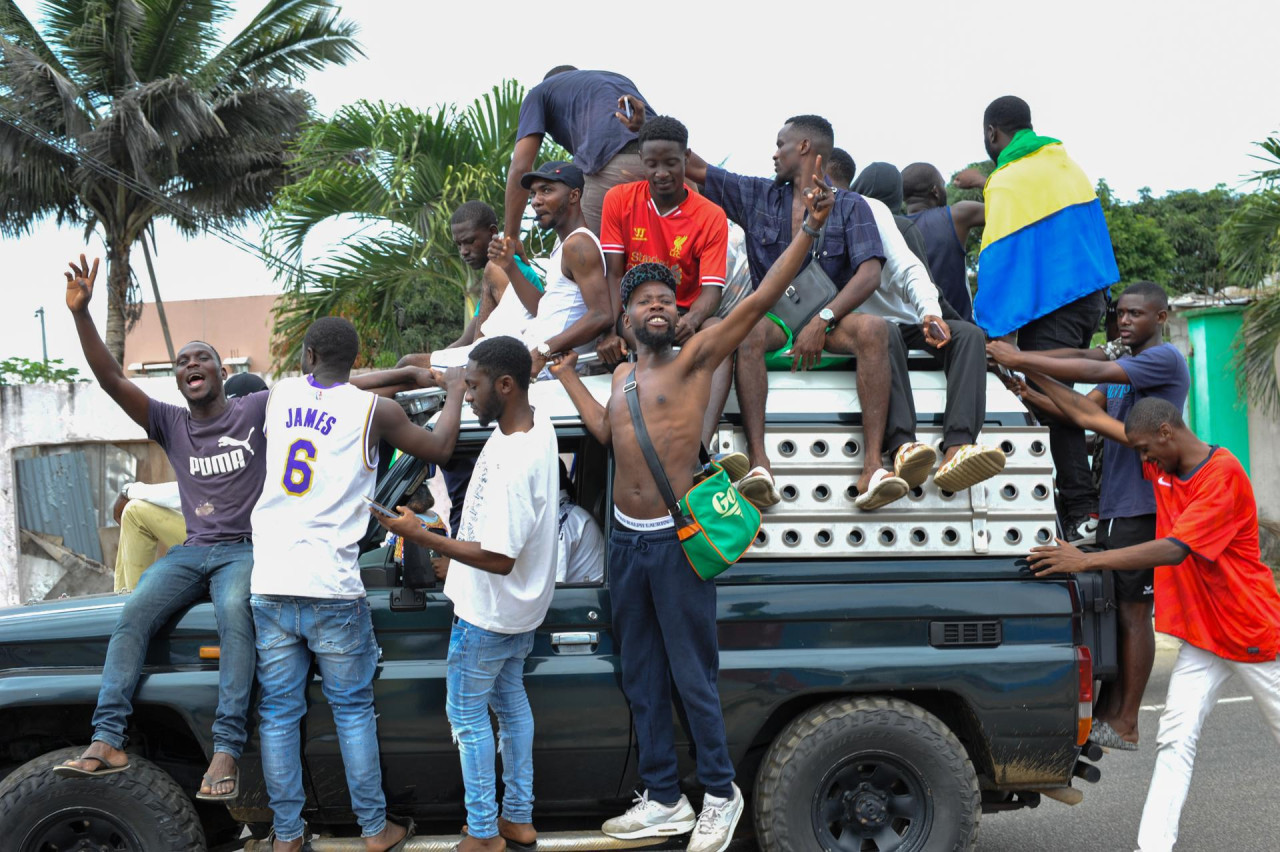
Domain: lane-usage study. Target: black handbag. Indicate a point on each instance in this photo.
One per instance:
(809, 292)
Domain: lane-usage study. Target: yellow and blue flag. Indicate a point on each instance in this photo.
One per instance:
(1045, 243)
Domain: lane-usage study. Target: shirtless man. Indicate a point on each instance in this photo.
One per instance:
(658, 603)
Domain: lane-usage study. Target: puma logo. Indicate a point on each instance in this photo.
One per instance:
(726, 503)
(228, 441)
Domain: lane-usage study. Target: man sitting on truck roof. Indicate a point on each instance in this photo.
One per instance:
(660, 220)
(1126, 504)
(658, 602)
(218, 453)
(1212, 591)
(912, 304)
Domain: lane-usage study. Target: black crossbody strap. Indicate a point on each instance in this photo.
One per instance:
(650, 454)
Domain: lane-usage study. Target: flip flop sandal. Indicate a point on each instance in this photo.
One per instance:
(1107, 737)
(913, 462)
(735, 464)
(222, 797)
(409, 829)
(883, 489)
(68, 771)
(511, 844)
(758, 488)
(270, 839)
(971, 465)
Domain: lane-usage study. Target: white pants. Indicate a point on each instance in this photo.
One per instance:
(1198, 678)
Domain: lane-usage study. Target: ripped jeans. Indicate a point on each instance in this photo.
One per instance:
(339, 633)
(486, 669)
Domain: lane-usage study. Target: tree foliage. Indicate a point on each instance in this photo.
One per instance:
(1142, 249)
(391, 176)
(1250, 246)
(24, 371)
(114, 112)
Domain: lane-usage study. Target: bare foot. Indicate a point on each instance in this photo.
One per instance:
(97, 756)
(864, 481)
(222, 766)
(391, 834)
(475, 844)
(521, 832)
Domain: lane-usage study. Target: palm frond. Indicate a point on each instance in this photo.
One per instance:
(39, 91)
(1256, 351)
(285, 40)
(178, 36)
(1249, 241)
(16, 27)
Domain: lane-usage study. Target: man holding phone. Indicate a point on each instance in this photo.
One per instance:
(321, 456)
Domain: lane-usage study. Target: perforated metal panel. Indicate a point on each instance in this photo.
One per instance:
(816, 467)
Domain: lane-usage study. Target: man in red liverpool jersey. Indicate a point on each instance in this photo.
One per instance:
(1212, 591)
(659, 220)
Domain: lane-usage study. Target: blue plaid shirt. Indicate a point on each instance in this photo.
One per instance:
(763, 209)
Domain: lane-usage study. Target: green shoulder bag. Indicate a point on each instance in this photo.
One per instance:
(714, 523)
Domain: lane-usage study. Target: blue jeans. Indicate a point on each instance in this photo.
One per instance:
(178, 579)
(486, 669)
(340, 635)
(664, 618)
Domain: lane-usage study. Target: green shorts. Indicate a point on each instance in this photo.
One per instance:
(780, 358)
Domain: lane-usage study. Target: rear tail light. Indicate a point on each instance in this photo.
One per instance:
(1084, 710)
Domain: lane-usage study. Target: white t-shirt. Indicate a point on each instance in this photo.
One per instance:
(510, 508)
(580, 558)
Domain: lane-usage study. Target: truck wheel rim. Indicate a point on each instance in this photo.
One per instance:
(81, 830)
(871, 801)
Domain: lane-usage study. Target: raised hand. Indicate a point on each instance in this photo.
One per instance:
(80, 284)
(818, 199)
(502, 250)
(970, 179)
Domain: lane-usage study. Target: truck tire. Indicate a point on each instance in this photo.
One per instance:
(139, 810)
(867, 774)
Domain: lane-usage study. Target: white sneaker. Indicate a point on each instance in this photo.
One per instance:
(716, 824)
(648, 818)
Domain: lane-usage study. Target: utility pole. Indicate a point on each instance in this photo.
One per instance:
(44, 344)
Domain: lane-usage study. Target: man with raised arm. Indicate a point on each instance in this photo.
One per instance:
(658, 602)
(581, 110)
(322, 458)
(1212, 591)
(218, 453)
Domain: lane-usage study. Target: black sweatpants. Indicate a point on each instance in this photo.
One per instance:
(1069, 327)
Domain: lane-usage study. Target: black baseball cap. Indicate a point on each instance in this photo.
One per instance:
(242, 384)
(561, 172)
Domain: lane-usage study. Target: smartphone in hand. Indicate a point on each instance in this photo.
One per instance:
(379, 508)
(936, 332)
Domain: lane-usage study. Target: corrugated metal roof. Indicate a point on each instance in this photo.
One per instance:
(55, 498)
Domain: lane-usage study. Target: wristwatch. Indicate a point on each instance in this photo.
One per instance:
(544, 349)
(827, 316)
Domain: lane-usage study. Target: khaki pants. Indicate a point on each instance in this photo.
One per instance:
(625, 167)
(143, 527)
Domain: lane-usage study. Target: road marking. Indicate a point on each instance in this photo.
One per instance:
(1234, 700)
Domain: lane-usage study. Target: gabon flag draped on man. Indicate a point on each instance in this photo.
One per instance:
(1045, 243)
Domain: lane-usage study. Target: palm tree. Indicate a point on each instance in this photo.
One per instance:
(393, 175)
(115, 112)
(1249, 245)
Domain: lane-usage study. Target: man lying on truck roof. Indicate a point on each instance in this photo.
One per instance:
(658, 602)
(218, 452)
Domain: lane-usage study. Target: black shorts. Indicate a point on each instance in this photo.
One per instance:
(1115, 533)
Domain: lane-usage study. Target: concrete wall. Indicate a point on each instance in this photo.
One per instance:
(33, 415)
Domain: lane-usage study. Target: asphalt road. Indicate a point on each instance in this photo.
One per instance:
(1232, 803)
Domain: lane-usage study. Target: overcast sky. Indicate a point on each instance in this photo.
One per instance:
(1165, 95)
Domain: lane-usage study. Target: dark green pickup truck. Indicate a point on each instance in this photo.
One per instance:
(886, 678)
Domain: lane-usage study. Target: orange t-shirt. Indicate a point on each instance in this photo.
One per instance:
(692, 240)
(1221, 598)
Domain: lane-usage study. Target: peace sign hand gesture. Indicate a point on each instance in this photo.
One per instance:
(80, 284)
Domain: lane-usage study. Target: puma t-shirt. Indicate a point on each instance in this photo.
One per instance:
(220, 464)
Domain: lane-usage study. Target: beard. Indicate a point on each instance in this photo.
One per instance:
(655, 340)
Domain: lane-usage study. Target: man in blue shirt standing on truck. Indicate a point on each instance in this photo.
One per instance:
(586, 113)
